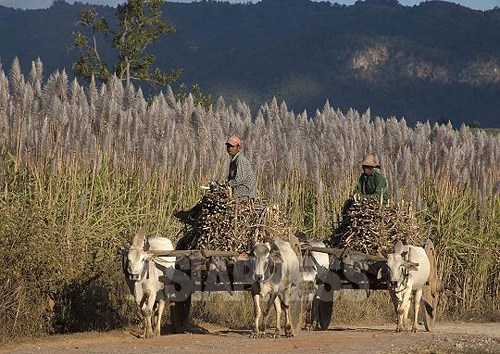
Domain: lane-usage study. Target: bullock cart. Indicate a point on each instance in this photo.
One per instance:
(209, 271)
(194, 270)
(205, 271)
(356, 270)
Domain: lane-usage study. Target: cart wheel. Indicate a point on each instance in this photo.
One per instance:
(325, 313)
(431, 290)
(180, 315)
(324, 306)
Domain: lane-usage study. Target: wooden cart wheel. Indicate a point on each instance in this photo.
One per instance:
(180, 315)
(324, 307)
(431, 290)
(325, 314)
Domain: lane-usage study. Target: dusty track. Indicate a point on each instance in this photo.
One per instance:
(447, 338)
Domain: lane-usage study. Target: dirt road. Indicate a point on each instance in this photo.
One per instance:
(446, 338)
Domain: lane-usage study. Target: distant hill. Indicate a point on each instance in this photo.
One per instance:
(437, 61)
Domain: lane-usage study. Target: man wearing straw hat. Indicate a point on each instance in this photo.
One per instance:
(372, 183)
(241, 177)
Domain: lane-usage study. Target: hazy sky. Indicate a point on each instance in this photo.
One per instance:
(37, 4)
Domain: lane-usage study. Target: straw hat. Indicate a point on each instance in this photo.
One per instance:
(370, 160)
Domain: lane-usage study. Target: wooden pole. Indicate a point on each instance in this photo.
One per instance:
(341, 252)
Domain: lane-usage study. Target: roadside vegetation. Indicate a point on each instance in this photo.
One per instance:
(83, 168)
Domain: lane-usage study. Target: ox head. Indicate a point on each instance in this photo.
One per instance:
(137, 257)
(398, 267)
(264, 261)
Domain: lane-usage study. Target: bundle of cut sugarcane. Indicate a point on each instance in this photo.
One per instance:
(219, 222)
(372, 227)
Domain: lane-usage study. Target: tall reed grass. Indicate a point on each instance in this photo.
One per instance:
(83, 168)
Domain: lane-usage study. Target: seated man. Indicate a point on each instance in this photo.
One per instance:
(372, 183)
(241, 177)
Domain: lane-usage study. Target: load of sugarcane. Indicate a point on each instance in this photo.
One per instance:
(220, 222)
(372, 227)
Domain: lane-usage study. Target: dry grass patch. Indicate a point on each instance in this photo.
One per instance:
(233, 311)
(354, 307)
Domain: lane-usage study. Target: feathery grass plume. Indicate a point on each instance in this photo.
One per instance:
(92, 97)
(54, 98)
(170, 97)
(258, 133)
(78, 111)
(128, 98)
(26, 111)
(17, 80)
(203, 137)
(17, 114)
(243, 111)
(157, 117)
(62, 84)
(4, 107)
(35, 79)
(99, 123)
(36, 73)
(235, 125)
(404, 163)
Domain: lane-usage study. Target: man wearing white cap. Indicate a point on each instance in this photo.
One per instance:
(241, 177)
(372, 183)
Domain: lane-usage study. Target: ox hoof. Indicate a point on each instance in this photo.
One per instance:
(258, 335)
(414, 329)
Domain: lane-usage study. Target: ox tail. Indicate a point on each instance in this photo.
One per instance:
(431, 311)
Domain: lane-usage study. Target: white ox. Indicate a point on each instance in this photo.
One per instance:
(144, 273)
(276, 274)
(408, 271)
(315, 265)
